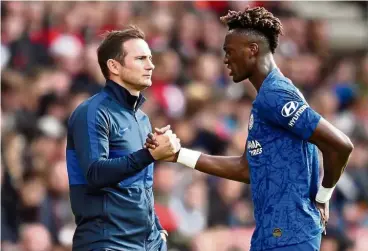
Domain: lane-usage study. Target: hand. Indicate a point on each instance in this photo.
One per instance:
(152, 143)
(324, 210)
(168, 145)
(164, 234)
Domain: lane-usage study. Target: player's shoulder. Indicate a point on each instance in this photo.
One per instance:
(95, 102)
(277, 89)
(278, 84)
(92, 106)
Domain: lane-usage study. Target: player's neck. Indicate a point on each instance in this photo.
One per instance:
(264, 66)
(128, 87)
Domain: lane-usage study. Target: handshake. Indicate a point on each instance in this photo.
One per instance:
(163, 144)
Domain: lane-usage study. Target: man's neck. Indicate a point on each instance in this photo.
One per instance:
(264, 66)
(128, 87)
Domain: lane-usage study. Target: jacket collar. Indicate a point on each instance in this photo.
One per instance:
(123, 96)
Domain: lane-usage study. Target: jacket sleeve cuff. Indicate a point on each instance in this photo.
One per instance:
(142, 158)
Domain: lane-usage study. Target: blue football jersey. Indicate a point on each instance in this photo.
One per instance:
(284, 166)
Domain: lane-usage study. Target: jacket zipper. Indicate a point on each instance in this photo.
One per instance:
(144, 187)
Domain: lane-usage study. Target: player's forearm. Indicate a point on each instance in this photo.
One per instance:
(334, 162)
(336, 148)
(232, 168)
(107, 172)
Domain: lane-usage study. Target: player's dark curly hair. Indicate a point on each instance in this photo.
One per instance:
(258, 19)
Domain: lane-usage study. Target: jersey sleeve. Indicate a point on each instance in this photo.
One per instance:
(289, 110)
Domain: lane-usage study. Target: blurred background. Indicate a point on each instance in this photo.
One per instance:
(49, 66)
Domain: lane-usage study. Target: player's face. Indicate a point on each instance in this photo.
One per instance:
(238, 57)
(138, 67)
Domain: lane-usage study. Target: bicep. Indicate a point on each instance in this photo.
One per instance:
(327, 136)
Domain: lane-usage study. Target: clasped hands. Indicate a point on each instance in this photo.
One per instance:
(163, 144)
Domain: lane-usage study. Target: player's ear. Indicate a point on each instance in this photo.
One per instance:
(113, 66)
(253, 49)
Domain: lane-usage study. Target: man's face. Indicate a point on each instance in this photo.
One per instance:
(238, 58)
(137, 68)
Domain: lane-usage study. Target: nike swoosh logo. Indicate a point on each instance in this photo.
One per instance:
(122, 130)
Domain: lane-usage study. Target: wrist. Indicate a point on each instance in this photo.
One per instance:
(151, 154)
(188, 157)
(324, 194)
(142, 158)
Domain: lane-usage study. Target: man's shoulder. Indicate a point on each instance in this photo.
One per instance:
(279, 83)
(277, 90)
(89, 107)
(94, 102)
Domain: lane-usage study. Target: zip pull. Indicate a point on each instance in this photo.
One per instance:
(135, 106)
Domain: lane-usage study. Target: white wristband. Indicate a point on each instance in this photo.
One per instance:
(324, 194)
(188, 157)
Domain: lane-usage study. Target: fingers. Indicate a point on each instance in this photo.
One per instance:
(323, 220)
(175, 143)
(149, 146)
(163, 236)
(151, 136)
(151, 141)
(162, 130)
(168, 132)
(324, 226)
(167, 144)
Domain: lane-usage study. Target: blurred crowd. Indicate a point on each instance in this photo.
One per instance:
(49, 66)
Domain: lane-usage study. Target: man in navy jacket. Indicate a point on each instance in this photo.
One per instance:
(110, 173)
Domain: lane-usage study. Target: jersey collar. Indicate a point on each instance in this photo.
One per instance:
(271, 76)
(123, 96)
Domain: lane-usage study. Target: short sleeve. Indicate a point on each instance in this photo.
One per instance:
(289, 110)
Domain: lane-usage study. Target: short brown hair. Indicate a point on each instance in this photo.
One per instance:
(111, 46)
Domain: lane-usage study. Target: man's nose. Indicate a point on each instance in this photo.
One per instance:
(226, 61)
(150, 66)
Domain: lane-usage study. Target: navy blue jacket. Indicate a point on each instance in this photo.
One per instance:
(110, 174)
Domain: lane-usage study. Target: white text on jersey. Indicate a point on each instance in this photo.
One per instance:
(254, 147)
(297, 115)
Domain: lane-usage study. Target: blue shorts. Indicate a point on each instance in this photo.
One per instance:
(311, 245)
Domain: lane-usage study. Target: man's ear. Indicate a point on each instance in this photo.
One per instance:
(254, 48)
(113, 66)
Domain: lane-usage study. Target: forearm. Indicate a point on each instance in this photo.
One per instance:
(107, 172)
(334, 163)
(233, 168)
(336, 148)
